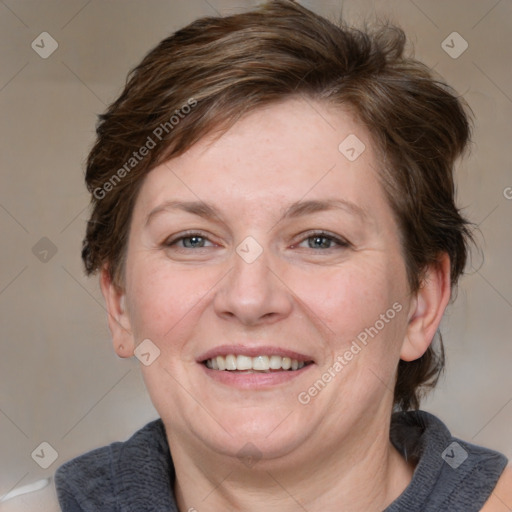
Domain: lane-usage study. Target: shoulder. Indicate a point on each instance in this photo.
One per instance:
(92, 478)
(451, 474)
(83, 477)
(93, 463)
(501, 498)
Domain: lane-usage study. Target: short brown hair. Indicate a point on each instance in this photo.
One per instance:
(204, 77)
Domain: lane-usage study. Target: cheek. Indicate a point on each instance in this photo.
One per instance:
(164, 300)
(351, 298)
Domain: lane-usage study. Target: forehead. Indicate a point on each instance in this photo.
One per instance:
(274, 155)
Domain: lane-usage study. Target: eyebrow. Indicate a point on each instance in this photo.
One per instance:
(297, 209)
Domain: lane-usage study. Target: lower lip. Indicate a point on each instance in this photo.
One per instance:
(246, 380)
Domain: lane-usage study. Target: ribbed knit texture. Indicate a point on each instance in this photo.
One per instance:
(436, 485)
(134, 476)
(137, 475)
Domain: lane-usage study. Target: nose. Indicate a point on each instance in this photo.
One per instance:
(253, 293)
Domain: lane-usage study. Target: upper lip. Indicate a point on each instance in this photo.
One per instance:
(252, 351)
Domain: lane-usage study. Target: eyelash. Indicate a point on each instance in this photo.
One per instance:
(313, 234)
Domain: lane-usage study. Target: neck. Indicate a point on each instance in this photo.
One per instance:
(359, 475)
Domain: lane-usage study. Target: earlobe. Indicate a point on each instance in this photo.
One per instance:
(118, 318)
(427, 310)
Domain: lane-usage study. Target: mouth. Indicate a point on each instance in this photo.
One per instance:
(253, 366)
(259, 364)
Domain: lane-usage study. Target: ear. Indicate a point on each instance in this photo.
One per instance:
(118, 319)
(427, 309)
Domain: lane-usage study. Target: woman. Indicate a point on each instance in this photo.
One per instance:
(274, 225)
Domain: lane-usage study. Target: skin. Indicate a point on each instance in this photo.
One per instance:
(297, 296)
(501, 498)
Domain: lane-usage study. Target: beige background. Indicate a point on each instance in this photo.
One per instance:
(60, 381)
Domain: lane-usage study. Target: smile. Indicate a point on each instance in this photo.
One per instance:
(260, 363)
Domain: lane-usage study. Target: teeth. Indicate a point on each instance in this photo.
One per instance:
(275, 362)
(261, 363)
(242, 362)
(230, 362)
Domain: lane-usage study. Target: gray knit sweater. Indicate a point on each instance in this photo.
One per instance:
(136, 476)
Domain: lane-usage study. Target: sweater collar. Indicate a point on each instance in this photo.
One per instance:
(145, 472)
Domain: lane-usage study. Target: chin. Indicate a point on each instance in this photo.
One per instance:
(255, 433)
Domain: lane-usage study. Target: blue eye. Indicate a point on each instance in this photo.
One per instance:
(321, 240)
(315, 240)
(194, 241)
(189, 241)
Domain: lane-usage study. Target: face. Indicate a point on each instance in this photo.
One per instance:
(268, 247)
